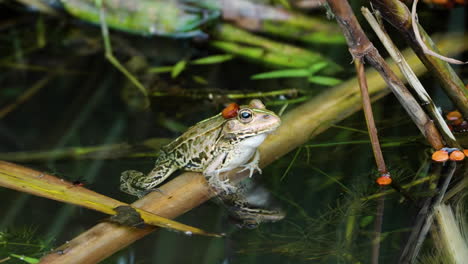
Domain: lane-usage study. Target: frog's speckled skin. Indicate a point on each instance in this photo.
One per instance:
(211, 146)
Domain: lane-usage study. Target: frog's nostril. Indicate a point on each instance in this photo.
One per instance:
(266, 116)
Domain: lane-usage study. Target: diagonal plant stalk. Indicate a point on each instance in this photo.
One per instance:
(110, 55)
(412, 79)
(398, 15)
(190, 189)
(361, 47)
(34, 182)
(27, 94)
(425, 219)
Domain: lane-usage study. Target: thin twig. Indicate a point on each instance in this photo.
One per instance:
(27, 95)
(377, 230)
(110, 56)
(366, 105)
(414, 23)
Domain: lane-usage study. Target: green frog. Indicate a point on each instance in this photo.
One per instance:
(213, 146)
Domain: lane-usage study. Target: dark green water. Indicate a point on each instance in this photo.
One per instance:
(320, 187)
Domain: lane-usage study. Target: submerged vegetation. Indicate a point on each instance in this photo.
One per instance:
(90, 88)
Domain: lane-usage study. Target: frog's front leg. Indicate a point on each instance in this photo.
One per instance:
(252, 166)
(212, 173)
(138, 184)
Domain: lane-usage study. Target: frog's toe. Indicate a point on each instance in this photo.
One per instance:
(129, 183)
(251, 168)
(130, 175)
(222, 185)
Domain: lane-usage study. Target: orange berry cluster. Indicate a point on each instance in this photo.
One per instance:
(456, 122)
(449, 154)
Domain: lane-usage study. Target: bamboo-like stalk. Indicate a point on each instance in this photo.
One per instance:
(190, 189)
(41, 184)
(398, 15)
(450, 234)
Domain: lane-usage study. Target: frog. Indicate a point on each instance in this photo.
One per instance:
(250, 205)
(213, 146)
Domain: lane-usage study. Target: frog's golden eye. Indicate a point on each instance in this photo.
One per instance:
(245, 115)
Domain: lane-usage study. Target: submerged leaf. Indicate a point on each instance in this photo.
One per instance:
(37, 183)
(178, 68)
(213, 59)
(290, 73)
(26, 259)
(323, 80)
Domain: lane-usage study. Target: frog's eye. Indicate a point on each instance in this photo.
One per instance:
(245, 115)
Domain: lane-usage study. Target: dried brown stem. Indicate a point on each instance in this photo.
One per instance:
(360, 46)
(426, 50)
(366, 105)
(397, 14)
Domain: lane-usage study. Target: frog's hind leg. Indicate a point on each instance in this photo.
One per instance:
(138, 184)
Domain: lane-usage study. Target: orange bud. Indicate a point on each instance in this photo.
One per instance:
(455, 117)
(457, 155)
(383, 180)
(440, 156)
(230, 111)
(466, 152)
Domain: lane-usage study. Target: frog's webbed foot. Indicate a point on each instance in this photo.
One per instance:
(253, 165)
(129, 183)
(139, 184)
(221, 185)
(136, 183)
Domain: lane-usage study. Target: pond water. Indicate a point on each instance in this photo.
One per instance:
(325, 186)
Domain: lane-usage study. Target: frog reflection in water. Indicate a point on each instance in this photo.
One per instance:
(213, 146)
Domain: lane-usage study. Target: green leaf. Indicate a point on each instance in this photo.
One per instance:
(178, 68)
(25, 259)
(290, 73)
(317, 67)
(366, 220)
(213, 59)
(199, 80)
(160, 69)
(323, 80)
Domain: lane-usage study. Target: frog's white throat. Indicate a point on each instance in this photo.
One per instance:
(254, 141)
